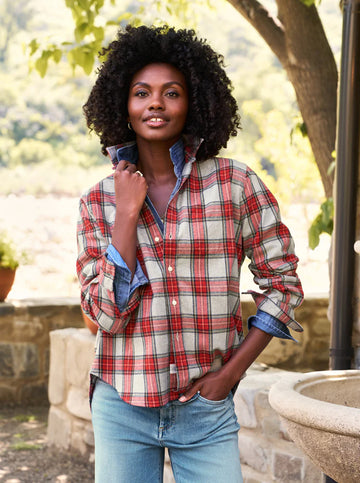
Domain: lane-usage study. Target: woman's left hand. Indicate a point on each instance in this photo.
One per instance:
(217, 385)
(213, 386)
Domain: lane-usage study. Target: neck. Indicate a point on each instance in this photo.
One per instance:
(154, 160)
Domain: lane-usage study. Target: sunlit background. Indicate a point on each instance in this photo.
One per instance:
(47, 158)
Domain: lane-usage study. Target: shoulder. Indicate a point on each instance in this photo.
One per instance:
(100, 191)
(225, 168)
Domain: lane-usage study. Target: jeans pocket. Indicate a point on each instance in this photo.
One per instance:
(210, 402)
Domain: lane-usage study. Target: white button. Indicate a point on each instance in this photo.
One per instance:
(174, 302)
(173, 369)
(170, 268)
(157, 239)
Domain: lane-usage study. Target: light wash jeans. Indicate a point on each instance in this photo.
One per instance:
(201, 437)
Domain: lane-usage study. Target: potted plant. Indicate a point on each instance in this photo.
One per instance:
(89, 323)
(9, 261)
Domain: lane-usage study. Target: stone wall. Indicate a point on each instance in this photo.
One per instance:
(24, 343)
(24, 346)
(266, 451)
(311, 352)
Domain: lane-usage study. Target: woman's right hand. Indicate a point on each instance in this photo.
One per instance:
(130, 189)
(130, 193)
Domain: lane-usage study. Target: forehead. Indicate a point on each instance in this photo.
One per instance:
(159, 72)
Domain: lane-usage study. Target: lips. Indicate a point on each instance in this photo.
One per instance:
(155, 120)
(155, 117)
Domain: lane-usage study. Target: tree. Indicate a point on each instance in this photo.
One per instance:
(297, 38)
(15, 16)
(295, 35)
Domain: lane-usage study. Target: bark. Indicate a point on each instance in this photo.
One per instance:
(297, 38)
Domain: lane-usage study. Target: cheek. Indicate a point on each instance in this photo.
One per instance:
(133, 108)
(183, 112)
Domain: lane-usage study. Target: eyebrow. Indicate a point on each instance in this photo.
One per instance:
(167, 84)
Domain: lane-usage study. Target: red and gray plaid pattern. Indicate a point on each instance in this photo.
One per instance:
(187, 319)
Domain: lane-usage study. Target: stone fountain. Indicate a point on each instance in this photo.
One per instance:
(321, 411)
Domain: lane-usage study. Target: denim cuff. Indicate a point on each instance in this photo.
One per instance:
(124, 287)
(269, 324)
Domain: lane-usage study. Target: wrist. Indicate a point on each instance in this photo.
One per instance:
(128, 215)
(231, 372)
(254, 343)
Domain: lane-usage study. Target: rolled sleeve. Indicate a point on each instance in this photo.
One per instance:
(270, 325)
(268, 243)
(124, 286)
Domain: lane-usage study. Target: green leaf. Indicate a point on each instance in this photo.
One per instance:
(98, 5)
(98, 33)
(57, 54)
(41, 64)
(81, 31)
(124, 17)
(323, 223)
(84, 57)
(88, 63)
(34, 45)
(84, 4)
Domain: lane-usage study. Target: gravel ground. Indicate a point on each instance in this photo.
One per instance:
(25, 456)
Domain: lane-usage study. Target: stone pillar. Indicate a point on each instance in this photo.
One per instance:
(71, 356)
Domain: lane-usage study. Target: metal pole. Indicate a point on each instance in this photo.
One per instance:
(347, 160)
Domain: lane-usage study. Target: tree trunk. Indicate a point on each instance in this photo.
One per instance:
(297, 38)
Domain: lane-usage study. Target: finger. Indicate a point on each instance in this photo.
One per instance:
(188, 394)
(131, 168)
(122, 165)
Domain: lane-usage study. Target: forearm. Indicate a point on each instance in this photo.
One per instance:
(254, 343)
(124, 238)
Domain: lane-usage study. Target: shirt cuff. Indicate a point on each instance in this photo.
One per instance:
(269, 324)
(124, 287)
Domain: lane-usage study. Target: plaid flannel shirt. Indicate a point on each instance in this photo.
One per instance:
(187, 319)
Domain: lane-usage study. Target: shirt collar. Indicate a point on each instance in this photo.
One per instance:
(182, 152)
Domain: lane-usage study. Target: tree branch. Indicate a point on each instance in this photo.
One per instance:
(269, 27)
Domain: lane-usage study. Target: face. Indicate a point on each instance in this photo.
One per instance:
(158, 103)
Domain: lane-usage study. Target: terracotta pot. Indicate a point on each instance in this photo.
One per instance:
(89, 323)
(7, 277)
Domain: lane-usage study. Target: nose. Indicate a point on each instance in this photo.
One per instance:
(156, 102)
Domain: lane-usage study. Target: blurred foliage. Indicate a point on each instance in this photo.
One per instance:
(16, 16)
(44, 143)
(91, 30)
(10, 257)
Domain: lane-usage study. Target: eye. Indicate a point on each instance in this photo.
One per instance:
(172, 94)
(140, 93)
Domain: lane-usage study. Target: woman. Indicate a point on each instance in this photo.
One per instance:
(161, 243)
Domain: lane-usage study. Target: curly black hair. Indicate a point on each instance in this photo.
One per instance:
(212, 111)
